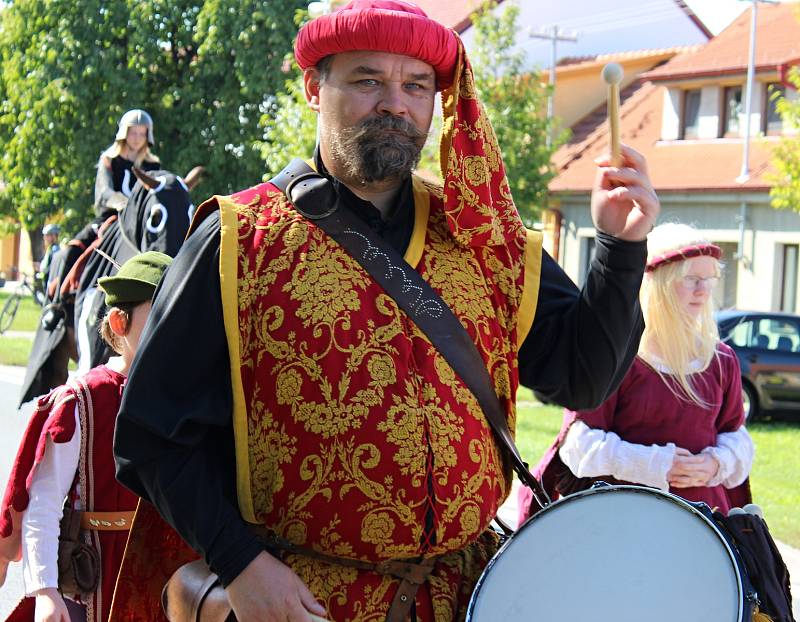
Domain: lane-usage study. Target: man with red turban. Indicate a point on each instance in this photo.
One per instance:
(309, 404)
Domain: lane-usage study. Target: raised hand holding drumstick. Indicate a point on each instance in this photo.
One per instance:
(624, 203)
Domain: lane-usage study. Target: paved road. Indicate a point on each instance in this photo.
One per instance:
(12, 424)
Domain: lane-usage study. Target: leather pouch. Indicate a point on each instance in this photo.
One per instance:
(194, 594)
(78, 561)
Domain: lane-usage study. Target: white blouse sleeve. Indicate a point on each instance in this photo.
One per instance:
(50, 485)
(734, 451)
(589, 452)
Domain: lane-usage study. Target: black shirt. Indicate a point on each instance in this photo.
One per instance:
(174, 438)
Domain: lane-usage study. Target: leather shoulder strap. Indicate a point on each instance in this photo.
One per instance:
(314, 197)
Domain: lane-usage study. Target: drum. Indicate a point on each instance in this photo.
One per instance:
(613, 554)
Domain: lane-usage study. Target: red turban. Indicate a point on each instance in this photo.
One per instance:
(390, 26)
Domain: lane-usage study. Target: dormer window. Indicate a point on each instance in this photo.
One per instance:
(772, 123)
(731, 110)
(690, 116)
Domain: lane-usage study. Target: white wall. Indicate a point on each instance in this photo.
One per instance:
(710, 106)
(671, 117)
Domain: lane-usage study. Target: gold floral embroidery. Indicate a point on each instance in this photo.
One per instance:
(475, 170)
(347, 399)
(377, 528)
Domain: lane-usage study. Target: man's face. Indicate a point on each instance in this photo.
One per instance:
(375, 111)
(50, 239)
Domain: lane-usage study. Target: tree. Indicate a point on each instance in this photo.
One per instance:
(515, 101)
(68, 70)
(290, 126)
(785, 191)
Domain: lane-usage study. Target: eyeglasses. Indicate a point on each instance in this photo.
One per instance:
(695, 282)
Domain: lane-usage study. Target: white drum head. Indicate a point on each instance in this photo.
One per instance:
(615, 554)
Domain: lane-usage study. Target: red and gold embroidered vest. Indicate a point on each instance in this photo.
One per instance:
(351, 429)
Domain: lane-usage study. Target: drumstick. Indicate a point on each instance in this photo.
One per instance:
(612, 74)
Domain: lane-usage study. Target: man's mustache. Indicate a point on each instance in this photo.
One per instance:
(377, 126)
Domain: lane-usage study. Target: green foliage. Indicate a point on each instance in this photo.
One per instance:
(206, 72)
(516, 103)
(785, 191)
(290, 127)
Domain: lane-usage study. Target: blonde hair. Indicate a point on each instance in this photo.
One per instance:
(109, 336)
(671, 335)
(144, 155)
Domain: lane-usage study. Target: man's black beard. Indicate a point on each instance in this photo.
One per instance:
(379, 148)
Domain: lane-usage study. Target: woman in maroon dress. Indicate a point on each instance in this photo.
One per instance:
(676, 422)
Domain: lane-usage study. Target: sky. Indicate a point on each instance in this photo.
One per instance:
(716, 14)
(611, 26)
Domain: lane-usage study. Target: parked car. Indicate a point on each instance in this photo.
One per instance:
(768, 347)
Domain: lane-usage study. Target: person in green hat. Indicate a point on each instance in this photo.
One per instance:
(128, 296)
(65, 460)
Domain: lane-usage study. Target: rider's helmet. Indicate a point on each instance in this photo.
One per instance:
(135, 117)
(51, 228)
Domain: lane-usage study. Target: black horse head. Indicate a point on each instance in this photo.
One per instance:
(157, 218)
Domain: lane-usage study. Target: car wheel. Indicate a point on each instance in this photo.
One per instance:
(750, 400)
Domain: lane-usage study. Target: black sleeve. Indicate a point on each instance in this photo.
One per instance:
(103, 187)
(583, 341)
(174, 439)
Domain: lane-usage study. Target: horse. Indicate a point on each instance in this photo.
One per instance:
(156, 217)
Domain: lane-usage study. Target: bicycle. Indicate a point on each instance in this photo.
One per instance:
(28, 286)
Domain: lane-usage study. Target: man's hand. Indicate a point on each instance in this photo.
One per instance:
(691, 470)
(50, 606)
(269, 591)
(624, 203)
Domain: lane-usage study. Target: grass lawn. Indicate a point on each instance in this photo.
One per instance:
(27, 314)
(15, 350)
(773, 480)
(775, 476)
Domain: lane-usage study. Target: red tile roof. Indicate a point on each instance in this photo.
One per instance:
(777, 43)
(674, 166)
(576, 63)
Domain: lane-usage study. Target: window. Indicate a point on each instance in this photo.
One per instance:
(690, 113)
(772, 123)
(764, 334)
(789, 285)
(732, 108)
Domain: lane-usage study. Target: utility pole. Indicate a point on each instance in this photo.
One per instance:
(744, 174)
(554, 34)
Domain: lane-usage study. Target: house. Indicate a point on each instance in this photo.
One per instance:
(601, 26)
(688, 118)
